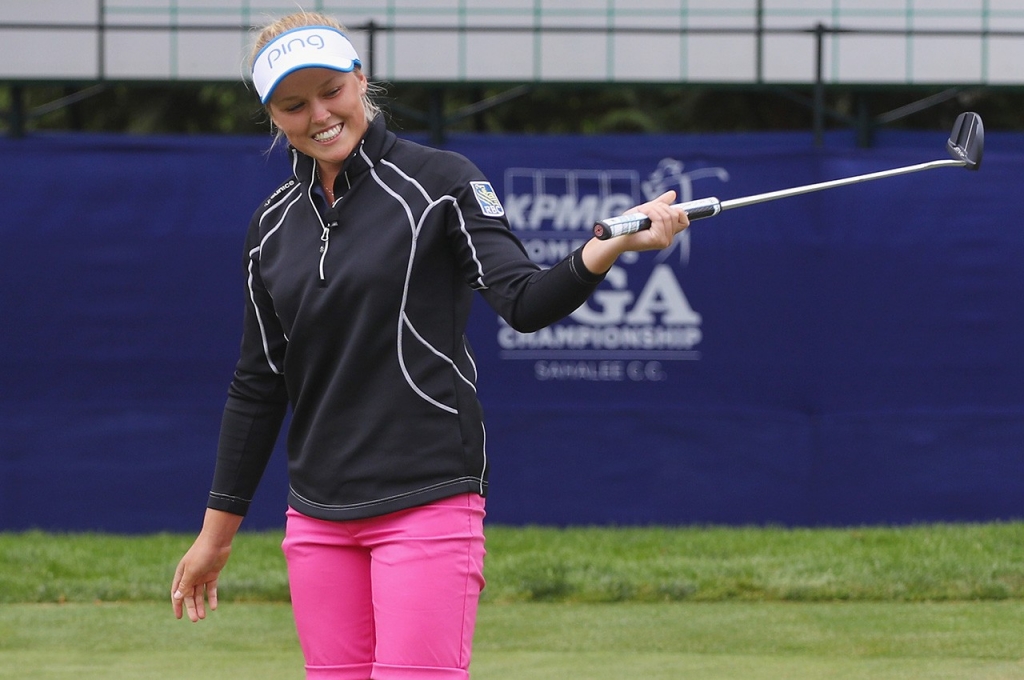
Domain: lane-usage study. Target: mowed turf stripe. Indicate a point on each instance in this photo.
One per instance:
(758, 641)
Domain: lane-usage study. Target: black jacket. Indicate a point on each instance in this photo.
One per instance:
(355, 315)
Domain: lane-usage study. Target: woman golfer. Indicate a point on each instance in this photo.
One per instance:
(359, 272)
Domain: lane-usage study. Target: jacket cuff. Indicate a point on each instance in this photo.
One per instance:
(232, 504)
(580, 271)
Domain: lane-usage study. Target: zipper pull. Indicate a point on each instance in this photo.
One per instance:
(325, 239)
(330, 222)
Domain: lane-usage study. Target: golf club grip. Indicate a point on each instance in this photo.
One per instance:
(634, 222)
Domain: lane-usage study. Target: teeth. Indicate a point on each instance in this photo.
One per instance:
(328, 135)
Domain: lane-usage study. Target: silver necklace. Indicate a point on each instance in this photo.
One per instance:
(328, 191)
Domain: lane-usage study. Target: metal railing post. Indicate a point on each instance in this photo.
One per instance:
(16, 116)
(759, 66)
(371, 48)
(435, 116)
(819, 87)
(101, 39)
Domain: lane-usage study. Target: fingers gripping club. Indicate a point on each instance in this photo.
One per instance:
(634, 222)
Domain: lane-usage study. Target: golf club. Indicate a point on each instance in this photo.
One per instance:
(966, 144)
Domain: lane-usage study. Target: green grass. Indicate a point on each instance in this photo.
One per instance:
(921, 563)
(954, 562)
(143, 641)
(545, 641)
(934, 601)
(770, 641)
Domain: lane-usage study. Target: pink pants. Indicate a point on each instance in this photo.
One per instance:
(391, 597)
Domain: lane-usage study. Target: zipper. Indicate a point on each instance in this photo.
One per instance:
(325, 238)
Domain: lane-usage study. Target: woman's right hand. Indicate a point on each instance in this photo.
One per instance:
(195, 579)
(666, 221)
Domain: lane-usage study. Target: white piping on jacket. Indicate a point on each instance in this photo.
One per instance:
(478, 284)
(252, 264)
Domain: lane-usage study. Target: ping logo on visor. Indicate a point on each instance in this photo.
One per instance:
(307, 47)
(487, 199)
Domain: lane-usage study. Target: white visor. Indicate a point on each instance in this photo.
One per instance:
(307, 47)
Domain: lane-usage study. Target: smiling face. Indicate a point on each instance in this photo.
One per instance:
(321, 113)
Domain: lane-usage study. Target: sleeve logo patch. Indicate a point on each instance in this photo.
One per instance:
(487, 199)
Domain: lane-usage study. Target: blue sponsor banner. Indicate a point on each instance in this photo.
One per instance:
(843, 357)
(840, 357)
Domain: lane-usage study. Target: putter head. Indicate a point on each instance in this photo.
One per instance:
(967, 141)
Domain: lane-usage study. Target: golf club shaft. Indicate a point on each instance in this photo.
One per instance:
(806, 189)
(709, 207)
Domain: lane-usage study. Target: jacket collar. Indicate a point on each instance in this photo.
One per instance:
(377, 141)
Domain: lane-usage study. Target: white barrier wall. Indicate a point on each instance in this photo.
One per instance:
(699, 41)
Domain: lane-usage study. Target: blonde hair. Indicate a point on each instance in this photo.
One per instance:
(303, 19)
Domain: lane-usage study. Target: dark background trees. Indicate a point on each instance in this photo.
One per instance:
(231, 108)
